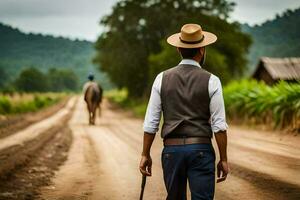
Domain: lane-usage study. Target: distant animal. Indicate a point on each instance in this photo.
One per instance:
(93, 98)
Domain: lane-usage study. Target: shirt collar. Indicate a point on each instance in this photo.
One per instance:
(189, 62)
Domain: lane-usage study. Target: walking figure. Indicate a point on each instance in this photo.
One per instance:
(93, 97)
(191, 101)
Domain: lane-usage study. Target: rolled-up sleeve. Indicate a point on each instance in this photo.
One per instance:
(153, 113)
(217, 107)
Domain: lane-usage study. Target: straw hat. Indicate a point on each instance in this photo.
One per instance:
(192, 36)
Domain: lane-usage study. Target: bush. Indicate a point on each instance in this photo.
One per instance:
(5, 105)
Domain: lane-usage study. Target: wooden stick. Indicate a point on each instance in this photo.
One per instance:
(143, 187)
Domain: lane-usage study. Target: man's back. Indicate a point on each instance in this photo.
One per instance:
(185, 101)
(92, 84)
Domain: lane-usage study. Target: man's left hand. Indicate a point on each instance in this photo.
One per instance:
(222, 171)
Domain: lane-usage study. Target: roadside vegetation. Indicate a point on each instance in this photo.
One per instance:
(257, 103)
(247, 102)
(33, 90)
(33, 80)
(18, 103)
(120, 97)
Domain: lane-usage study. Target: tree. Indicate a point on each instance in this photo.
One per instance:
(3, 78)
(136, 29)
(226, 58)
(32, 80)
(61, 80)
(70, 80)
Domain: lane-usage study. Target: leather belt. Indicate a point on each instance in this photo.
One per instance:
(187, 140)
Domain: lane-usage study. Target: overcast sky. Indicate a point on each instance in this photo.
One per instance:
(80, 18)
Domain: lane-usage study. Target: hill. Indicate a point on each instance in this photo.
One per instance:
(279, 37)
(19, 50)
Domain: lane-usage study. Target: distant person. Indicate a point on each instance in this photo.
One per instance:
(93, 96)
(191, 101)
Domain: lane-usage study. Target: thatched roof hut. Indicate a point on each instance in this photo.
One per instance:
(271, 70)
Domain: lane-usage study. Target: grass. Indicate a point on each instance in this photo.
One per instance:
(120, 97)
(24, 103)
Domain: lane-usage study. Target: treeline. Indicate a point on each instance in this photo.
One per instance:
(133, 49)
(275, 38)
(20, 49)
(33, 80)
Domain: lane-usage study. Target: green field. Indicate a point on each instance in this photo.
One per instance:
(255, 102)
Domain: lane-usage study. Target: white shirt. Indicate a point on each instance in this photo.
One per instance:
(217, 108)
(89, 83)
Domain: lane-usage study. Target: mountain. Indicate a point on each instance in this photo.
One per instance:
(279, 37)
(19, 50)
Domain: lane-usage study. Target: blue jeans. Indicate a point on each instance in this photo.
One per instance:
(194, 163)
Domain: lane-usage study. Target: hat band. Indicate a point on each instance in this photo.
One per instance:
(191, 42)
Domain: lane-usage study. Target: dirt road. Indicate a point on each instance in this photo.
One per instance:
(103, 162)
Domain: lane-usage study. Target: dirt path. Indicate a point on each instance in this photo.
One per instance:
(103, 163)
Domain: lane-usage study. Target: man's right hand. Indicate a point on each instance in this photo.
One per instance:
(146, 165)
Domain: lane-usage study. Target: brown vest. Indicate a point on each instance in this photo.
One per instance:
(185, 102)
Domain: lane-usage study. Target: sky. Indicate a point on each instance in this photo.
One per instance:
(80, 18)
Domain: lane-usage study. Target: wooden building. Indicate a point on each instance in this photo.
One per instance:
(272, 70)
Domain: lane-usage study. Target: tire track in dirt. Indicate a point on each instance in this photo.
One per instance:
(29, 166)
(24, 180)
(281, 167)
(268, 184)
(263, 173)
(17, 148)
(75, 179)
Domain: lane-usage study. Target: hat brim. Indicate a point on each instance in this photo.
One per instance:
(209, 38)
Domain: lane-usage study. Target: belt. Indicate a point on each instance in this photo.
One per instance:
(187, 140)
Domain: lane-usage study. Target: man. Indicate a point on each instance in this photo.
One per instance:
(192, 104)
(90, 81)
(93, 97)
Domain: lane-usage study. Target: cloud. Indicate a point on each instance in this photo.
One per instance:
(38, 8)
(70, 18)
(80, 18)
(258, 11)
(72, 27)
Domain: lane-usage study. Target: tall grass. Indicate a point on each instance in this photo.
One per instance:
(254, 102)
(16, 104)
